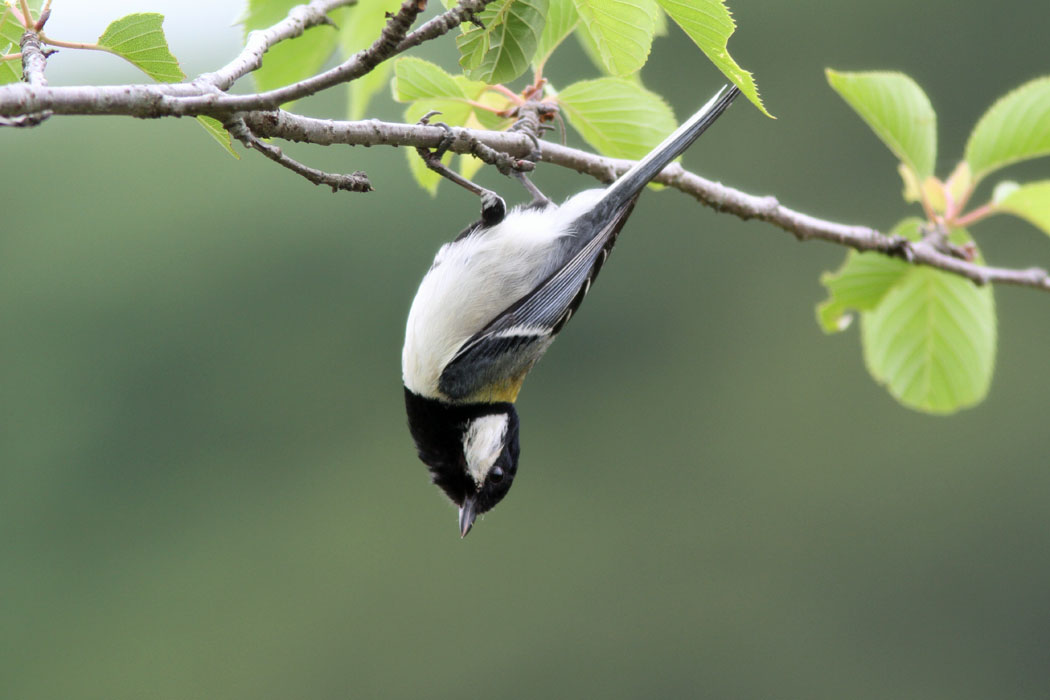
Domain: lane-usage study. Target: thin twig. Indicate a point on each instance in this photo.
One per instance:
(361, 63)
(79, 45)
(506, 92)
(27, 16)
(465, 11)
(976, 215)
(34, 60)
(299, 19)
(352, 182)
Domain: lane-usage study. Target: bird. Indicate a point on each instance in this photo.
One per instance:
(492, 303)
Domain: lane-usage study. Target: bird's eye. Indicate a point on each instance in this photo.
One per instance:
(496, 475)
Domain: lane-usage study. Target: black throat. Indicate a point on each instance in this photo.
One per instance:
(438, 427)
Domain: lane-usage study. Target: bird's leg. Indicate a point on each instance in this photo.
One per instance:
(538, 198)
(493, 208)
(526, 126)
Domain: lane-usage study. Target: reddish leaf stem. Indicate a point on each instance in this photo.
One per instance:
(981, 212)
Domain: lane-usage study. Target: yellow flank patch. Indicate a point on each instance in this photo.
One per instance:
(503, 391)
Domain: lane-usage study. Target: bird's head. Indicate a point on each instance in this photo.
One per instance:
(471, 450)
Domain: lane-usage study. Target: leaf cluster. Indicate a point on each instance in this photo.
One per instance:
(614, 114)
(927, 335)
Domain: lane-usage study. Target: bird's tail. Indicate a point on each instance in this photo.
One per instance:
(631, 183)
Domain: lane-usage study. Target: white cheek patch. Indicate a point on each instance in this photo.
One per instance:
(482, 444)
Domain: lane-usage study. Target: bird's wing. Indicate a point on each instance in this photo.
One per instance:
(504, 350)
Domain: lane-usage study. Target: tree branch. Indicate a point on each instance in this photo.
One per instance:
(465, 11)
(354, 182)
(34, 61)
(201, 97)
(293, 127)
(299, 19)
(250, 117)
(361, 63)
(504, 149)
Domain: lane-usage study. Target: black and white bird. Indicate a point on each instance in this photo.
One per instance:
(490, 306)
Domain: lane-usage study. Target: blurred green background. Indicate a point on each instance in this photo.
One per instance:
(208, 490)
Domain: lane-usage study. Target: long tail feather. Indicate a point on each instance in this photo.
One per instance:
(631, 183)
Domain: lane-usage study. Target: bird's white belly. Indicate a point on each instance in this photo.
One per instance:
(471, 282)
(474, 279)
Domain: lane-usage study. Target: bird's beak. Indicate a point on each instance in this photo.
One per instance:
(466, 516)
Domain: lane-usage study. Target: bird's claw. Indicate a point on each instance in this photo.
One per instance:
(446, 141)
(524, 126)
(425, 119)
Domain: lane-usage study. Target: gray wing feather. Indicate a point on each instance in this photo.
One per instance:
(509, 345)
(512, 342)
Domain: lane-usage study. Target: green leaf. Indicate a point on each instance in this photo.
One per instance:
(912, 187)
(562, 19)
(361, 24)
(503, 49)
(10, 71)
(590, 48)
(1031, 202)
(1003, 190)
(489, 120)
(929, 336)
(215, 130)
(709, 24)
(452, 112)
(11, 30)
(617, 117)
(296, 59)
(359, 27)
(479, 92)
(859, 285)
(139, 39)
(931, 339)
(960, 183)
(862, 281)
(1016, 128)
(621, 31)
(897, 110)
(8, 29)
(663, 27)
(474, 89)
(416, 79)
(428, 87)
